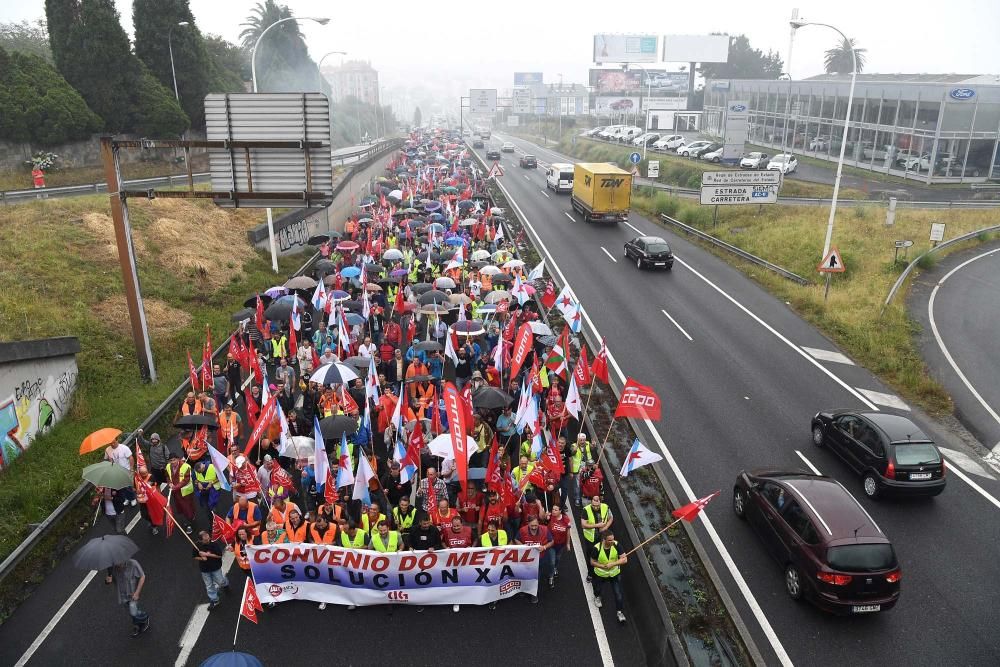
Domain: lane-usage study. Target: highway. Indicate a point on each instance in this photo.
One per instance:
(741, 375)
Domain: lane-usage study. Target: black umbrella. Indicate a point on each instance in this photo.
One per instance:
(243, 314)
(490, 398)
(358, 362)
(432, 296)
(421, 288)
(196, 420)
(281, 309)
(502, 278)
(105, 551)
(318, 239)
(353, 306)
(429, 346)
(325, 265)
(334, 427)
(252, 301)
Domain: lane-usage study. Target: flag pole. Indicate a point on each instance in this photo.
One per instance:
(590, 394)
(236, 634)
(170, 515)
(652, 537)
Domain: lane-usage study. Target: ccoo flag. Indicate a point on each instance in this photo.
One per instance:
(637, 457)
(638, 401)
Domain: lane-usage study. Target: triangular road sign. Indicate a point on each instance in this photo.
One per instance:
(495, 171)
(832, 263)
(635, 171)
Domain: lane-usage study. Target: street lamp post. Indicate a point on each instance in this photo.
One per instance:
(649, 94)
(560, 106)
(170, 47)
(796, 24)
(253, 76)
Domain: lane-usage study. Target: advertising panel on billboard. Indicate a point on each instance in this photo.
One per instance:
(483, 100)
(664, 103)
(695, 48)
(616, 81)
(520, 100)
(609, 104)
(527, 78)
(737, 127)
(625, 48)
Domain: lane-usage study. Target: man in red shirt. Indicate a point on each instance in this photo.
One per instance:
(469, 502)
(559, 526)
(533, 534)
(457, 536)
(590, 480)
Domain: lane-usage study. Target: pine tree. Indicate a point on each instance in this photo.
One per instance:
(155, 23)
(155, 111)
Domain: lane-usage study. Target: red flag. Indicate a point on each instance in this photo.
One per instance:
(315, 358)
(690, 511)
(535, 477)
(510, 328)
(206, 360)
(550, 459)
(582, 370)
(234, 348)
(536, 380)
(155, 504)
(192, 373)
(222, 530)
(467, 404)
(548, 297)
(638, 401)
(347, 402)
(522, 346)
(600, 366)
(258, 374)
(251, 603)
(400, 298)
(456, 426)
(293, 343)
(435, 420)
(330, 488)
(415, 443)
(140, 460)
(266, 417)
(411, 329)
(502, 308)
(259, 315)
(245, 355)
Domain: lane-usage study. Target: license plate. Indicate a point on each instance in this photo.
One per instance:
(865, 608)
(661, 264)
(920, 475)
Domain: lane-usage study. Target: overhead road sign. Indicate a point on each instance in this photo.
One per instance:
(725, 195)
(625, 48)
(832, 263)
(483, 100)
(520, 101)
(741, 178)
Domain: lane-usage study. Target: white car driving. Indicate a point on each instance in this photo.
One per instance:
(507, 147)
(783, 162)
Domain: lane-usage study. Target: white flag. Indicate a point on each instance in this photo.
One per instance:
(538, 271)
(637, 457)
(573, 403)
(286, 436)
(565, 302)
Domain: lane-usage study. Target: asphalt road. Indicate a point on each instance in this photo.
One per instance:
(740, 386)
(959, 336)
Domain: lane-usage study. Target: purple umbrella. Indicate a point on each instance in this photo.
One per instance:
(276, 291)
(432, 206)
(399, 273)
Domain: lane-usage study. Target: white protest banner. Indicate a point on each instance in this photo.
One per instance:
(324, 573)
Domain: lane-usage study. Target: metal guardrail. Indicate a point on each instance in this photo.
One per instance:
(909, 267)
(42, 529)
(754, 259)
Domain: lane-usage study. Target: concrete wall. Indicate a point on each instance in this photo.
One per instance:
(85, 153)
(37, 382)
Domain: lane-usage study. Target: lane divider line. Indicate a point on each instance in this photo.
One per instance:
(679, 327)
(610, 256)
(808, 463)
(570, 216)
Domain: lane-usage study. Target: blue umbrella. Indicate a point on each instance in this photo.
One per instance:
(350, 272)
(354, 318)
(290, 298)
(433, 206)
(232, 659)
(436, 217)
(455, 241)
(339, 295)
(435, 227)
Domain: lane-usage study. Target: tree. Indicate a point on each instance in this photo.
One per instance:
(283, 63)
(417, 117)
(25, 37)
(155, 23)
(745, 62)
(229, 63)
(155, 111)
(838, 60)
(39, 106)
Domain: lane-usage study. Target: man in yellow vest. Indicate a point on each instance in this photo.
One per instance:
(207, 484)
(606, 562)
(580, 452)
(402, 518)
(371, 519)
(352, 538)
(385, 540)
(596, 519)
(493, 537)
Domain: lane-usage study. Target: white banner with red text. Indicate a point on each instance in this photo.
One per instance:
(323, 573)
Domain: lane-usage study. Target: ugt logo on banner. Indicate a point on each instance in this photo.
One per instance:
(638, 401)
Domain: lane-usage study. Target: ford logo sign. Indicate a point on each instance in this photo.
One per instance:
(742, 107)
(962, 94)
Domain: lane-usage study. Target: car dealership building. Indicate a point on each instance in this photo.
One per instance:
(940, 128)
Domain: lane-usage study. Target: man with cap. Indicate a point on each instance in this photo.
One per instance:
(158, 454)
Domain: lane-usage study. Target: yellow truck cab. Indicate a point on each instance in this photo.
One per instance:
(601, 192)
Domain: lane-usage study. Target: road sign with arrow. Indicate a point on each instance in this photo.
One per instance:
(832, 263)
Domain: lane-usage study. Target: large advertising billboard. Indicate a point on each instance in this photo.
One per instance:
(527, 78)
(695, 48)
(625, 48)
(609, 104)
(616, 81)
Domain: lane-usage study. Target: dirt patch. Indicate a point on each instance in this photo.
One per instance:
(103, 228)
(163, 320)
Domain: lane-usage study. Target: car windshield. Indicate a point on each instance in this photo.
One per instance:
(566, 175)
(779, 158)
(753, 156)
(658, 247)
(861, 557)
(916, 453)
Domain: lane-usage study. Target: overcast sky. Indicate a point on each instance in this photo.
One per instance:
(485, 42)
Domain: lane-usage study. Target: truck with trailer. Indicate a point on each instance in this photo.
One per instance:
(601, 192)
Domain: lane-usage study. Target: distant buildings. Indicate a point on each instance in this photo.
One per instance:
(355, 78)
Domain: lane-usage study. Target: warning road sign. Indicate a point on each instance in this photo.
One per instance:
(832, 263)
(495, 171)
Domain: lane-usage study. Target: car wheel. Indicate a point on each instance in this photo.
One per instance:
(740, 503)
(638, 263)
(793, 582)
(870, 485)
(818, 437)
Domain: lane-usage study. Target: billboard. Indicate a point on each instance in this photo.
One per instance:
(664, 103)
(609, 104)
(483, 100)
(737, 128)
(695, 48)
(625, 48)
(527, 78)
(616, 81)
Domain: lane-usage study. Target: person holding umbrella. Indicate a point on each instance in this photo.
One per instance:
(130, 579)
(114, 552)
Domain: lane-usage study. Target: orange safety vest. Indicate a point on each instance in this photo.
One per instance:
(248, 521)
(186, 409)
(425, 398)
(297, 535)
(264, 539)
(338, 512)
(226, 423)
(281, 518)
(241, 557)
(194, 448)
(325, 538)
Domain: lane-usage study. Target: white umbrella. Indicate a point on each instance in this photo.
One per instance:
(540, 328)
(300, 447)
(490, 270)
(392, 254)
(479, 255)
(444, 282)
(441, 446)
(335, 373)
(468, 222)
(496, 296)
(396, 194)
(513, 264)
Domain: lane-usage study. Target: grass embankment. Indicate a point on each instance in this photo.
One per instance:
(61, 277)
(20, 179)
(792, 237)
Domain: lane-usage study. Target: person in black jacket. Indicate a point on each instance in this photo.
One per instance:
(425, 536)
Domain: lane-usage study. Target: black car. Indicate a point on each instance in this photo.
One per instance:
(890, 452)
(529, 161)
(650, 251)
(493, 154)
(477, 143)
(832, 551)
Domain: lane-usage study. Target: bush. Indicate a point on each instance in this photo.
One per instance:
(666, 205)
(925, 263)
(156, 112)
(695, 215)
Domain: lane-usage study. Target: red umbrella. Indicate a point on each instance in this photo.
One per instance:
(347, 246)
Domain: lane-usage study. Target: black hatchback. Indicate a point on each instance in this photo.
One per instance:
(650, 251)
(890, 452)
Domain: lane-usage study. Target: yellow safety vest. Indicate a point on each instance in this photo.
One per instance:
(404, 522)
(358, 542)
(485, 540)
(381, 546)
(208, 477)
(588, 533)
(278, 346)
(371, 528)
(576, 462)
(606, 557)
(527, 451)
(518, 474)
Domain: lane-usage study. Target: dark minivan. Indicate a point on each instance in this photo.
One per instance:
(832, 551)
(890, 452)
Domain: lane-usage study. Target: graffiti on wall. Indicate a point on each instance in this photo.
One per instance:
(33, 409)
(295, 234)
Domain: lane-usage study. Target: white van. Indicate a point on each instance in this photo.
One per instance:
(610, 131)
(559, 177)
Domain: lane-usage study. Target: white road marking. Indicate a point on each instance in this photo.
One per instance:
(51, 625)
(888, 400)
(610, 256)
(526, 177)
(828, 355)
(570, 216)
(679, 327)
(808, 463)
(975, 487)
(595, 614)
(965, 462)
(544, 193)
(198, 618)
(947, 355)
(713, 535)
(637, 230)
